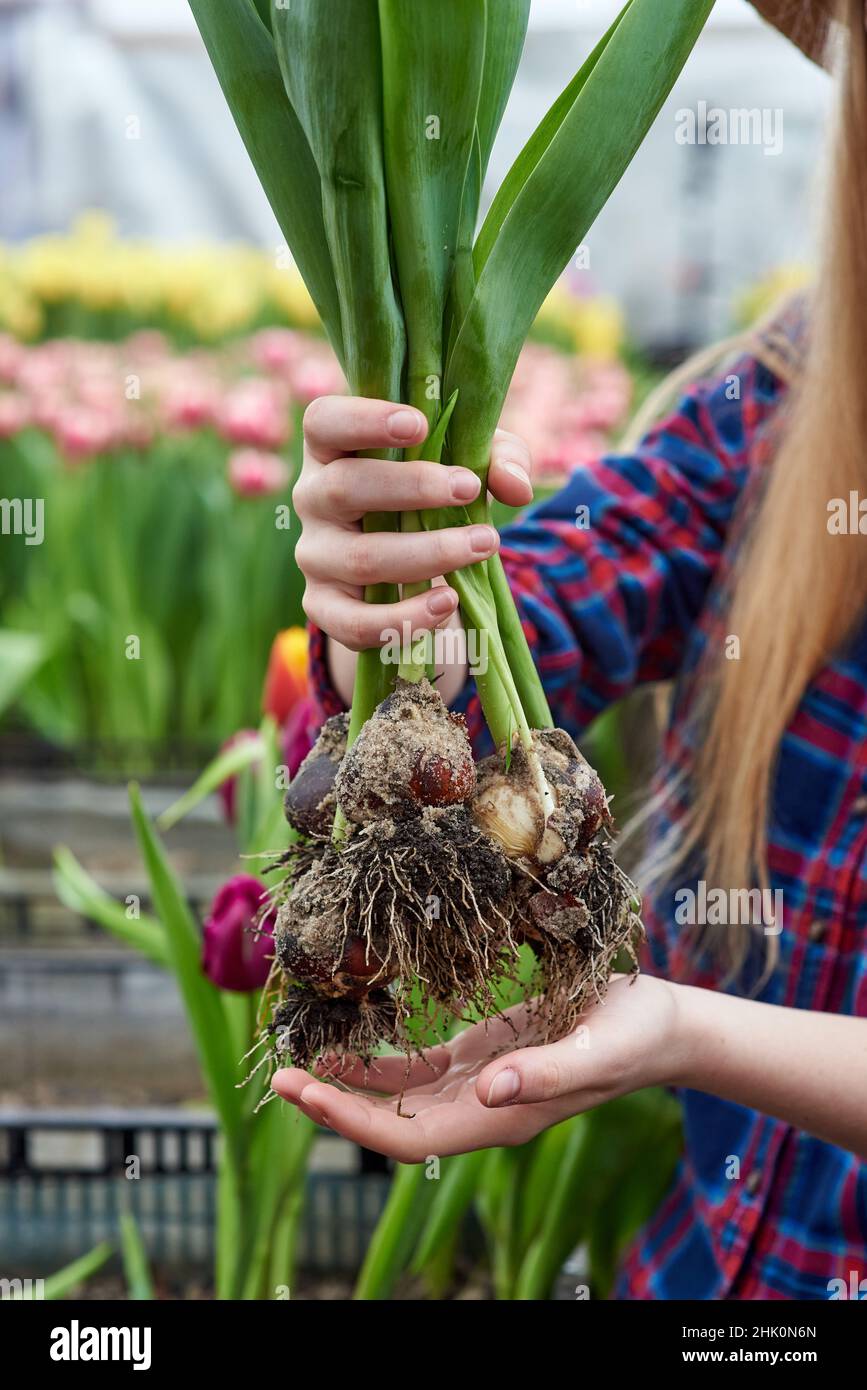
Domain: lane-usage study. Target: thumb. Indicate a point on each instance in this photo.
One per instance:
(533, 1074)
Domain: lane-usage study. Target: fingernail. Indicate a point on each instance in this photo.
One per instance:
(465, 486)
(483, 539)
(404, 424)
(516, 471)
(504, 1087)
(441, 601)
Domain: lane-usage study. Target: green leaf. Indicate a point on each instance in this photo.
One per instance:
(433, 58)
(501, 1212)
(456, 1190)
(507, 31)
(227, 764)
(329, 54)
(135, 1261)
(263, 8)
(567, 1214)
(21, 655)
(65, 1280)
(541, 1178)
(576, 164)
(271, 834)
(535, 148)
(464, 278)
(280, 1147)
(201, 999)
(231, 1235)
(433, 446)
(82, 894)
(604, 1150)
(636, 1188)
(396, 1232)
(242, 53)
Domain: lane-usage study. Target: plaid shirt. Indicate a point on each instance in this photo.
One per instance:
(632, 598)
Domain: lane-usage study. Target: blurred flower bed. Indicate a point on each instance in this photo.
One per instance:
(770, 292)
(93, 283)
(151, 402)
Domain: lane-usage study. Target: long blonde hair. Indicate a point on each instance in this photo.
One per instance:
(797, 591)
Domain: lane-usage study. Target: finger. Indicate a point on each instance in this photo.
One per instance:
(360, 626)
(388, 1075)
(312, 1114)
(535, 1074)
(293, 1082)
(514, 446)
(425, 1127)
(338, 425)
(510, 471)
(350, 488)
(392, 558)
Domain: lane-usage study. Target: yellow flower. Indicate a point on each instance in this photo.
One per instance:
(598, 329)
(761, 297)
(591, 327)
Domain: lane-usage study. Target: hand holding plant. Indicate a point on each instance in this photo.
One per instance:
(371, 125)
(457, 1098)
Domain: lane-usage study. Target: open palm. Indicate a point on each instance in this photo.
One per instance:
(444, 1102)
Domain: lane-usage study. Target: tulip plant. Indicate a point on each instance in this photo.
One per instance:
(134, 626)
(591, 1180)
(220, 973)
(371, 124)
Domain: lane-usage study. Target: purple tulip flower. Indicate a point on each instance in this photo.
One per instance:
(238, 946)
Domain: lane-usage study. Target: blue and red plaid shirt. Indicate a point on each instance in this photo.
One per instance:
(632, 598)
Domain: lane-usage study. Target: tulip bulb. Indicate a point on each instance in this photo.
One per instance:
(509, 811)
(310, 800)
(410, 754)
(548, 804)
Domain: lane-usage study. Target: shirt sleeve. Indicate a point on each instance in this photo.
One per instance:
(611, 574)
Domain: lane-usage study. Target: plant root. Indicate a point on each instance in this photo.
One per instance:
(435, 893)
(306, 1025)
(577, 936)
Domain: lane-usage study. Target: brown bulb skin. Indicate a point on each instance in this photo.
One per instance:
(310, 801)
(310, 792)
(358, 969)
(438, 781)
(556, 916)
(411, 754)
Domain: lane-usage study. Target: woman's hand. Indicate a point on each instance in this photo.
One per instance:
(338, 487)
(804, 1068)
(459, 1099)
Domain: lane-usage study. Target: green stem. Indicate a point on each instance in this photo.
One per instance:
(518, 653)
(501, 703)
(416, 668)
(373, 680)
